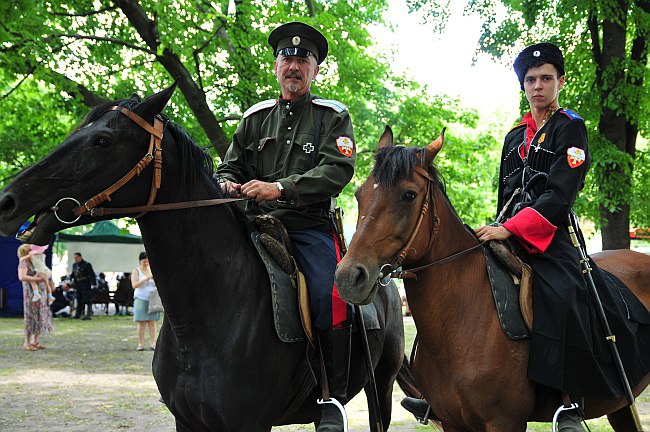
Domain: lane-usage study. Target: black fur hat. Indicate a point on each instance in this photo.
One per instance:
(537, 55)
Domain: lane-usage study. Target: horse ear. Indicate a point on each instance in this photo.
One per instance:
(136, 98)
(432, 149)
(155, 104)
(386, 139)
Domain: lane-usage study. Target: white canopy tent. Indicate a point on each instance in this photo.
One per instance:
(105, 247)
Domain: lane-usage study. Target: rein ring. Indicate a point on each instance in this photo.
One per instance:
(384, 279)
(55, 208)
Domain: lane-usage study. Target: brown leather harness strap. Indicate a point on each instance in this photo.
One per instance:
(102, 211)
(153, 154)
(411, 273)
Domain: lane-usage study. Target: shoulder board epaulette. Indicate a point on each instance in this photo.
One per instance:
(571, 114)
(330, 103)
(517, 126)
(260, 106)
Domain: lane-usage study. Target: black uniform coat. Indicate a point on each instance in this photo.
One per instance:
(83, 275)
(568, 349)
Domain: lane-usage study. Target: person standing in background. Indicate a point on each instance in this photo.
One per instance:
(37, 315)
(144, 286)
(84, 279)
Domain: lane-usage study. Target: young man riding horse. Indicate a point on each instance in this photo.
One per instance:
(544, 162)
(292, 155)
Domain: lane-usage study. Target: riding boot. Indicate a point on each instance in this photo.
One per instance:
(571, 420)
(418, 407)
(335, 348)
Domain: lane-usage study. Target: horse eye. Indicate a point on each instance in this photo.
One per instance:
(103, 142)
(409, 196)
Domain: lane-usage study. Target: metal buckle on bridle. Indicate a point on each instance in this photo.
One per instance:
(55, 208)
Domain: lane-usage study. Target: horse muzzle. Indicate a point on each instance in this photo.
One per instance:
(355, 283)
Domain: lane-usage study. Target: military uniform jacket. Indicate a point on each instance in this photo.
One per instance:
(306, 144)
(568, 348)
(558, 158)
(83, 275)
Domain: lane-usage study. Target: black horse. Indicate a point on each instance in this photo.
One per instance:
(219, 364)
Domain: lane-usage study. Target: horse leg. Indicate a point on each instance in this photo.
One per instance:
(385, 374)
(621, 420)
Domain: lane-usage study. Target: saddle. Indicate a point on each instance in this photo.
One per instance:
(289, 290)
(512, 288)
(274, 238)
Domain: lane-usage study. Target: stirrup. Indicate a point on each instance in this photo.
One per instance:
(340, 407)
(425, 419)
(574, 406)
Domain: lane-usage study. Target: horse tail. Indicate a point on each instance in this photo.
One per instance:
(406, 380)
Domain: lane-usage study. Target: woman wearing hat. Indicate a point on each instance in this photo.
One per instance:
(37, 314)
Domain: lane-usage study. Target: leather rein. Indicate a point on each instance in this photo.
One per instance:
(154, 153)
(388, 271)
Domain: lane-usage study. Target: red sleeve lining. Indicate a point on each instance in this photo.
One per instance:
(532, 229)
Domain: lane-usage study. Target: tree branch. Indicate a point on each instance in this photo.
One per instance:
(84, 14)
(196, 53)
(592, 24)
(194, 96)
(310, 7)
(229, 118)
(27, 75)
(106, 39)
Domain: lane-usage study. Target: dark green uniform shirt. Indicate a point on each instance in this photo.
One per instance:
(277, 141)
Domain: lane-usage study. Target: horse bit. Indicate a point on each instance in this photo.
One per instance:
(154, 153)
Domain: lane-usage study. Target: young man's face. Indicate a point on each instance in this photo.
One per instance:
(77, 258)
(295, 74)
(542, 86)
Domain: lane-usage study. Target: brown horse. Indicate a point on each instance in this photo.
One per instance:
(472, 375)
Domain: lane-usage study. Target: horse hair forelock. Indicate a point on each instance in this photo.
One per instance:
(396, 163)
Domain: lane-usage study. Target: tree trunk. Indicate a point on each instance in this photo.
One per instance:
(616, 234)
(613, 124)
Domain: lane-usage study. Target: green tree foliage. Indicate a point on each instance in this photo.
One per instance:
(59, 58)
(605, 43)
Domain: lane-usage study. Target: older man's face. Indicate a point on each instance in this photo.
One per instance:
(295, 74)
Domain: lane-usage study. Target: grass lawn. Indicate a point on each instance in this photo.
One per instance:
(90, 377)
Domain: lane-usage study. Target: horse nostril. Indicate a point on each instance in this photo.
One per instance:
(7, 204)
(361, 277)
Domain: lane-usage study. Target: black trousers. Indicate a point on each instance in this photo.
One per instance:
(84, 295)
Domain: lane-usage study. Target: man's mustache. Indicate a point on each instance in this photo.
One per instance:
(293, 75)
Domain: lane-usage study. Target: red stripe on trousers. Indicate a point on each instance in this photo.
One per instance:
(339, 307)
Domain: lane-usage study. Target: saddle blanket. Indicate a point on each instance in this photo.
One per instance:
(284, 297)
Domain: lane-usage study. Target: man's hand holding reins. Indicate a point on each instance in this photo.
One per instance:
(260, 191)
(490, 232)
(231, 189)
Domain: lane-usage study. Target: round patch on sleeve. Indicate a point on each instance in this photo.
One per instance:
(575, 156)
(345, 145)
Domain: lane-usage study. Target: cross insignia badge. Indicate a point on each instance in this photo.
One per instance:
(308, 148)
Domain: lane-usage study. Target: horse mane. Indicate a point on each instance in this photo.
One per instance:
(396, 163)
(195, 161)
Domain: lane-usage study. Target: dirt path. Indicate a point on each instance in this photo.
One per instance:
(91, 378)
